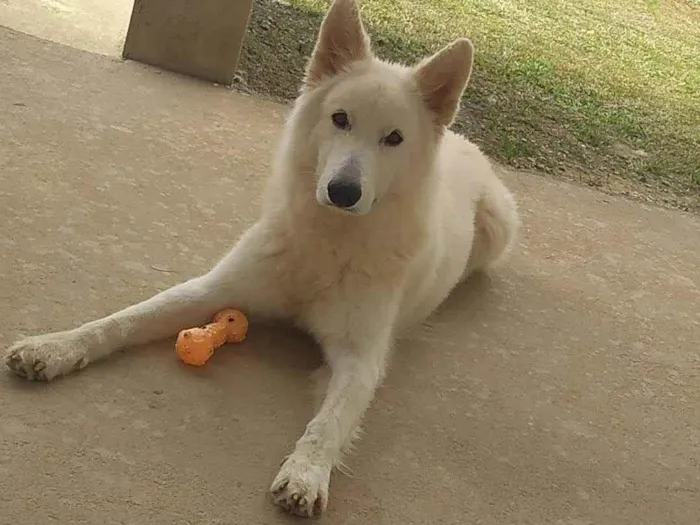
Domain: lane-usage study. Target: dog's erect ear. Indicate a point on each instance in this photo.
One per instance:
(442, 78)
(341, 41)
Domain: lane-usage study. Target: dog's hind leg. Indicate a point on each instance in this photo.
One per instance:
(496, 225)
(238, 280)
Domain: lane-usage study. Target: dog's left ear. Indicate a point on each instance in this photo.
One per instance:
(441, 79)
(341, 41)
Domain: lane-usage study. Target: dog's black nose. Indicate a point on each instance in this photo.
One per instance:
(344, 194)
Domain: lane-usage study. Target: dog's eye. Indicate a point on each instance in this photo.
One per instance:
(393, 139)
(340, 120)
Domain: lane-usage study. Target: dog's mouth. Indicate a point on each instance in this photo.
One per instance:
(351, 210)
(342, 210)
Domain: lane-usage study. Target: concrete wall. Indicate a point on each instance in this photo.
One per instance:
(202, 38)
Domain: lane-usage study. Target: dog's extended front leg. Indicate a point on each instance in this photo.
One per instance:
(238, 280)
(357, 363)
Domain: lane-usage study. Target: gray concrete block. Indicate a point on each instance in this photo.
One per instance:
(201, 38)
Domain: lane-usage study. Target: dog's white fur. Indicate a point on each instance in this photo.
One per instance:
(431, 212)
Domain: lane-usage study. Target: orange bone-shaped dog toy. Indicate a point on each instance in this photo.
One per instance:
(195, 346)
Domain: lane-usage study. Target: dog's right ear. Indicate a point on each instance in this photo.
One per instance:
(341, 41)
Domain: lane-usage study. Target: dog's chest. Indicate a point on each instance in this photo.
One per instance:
(326, 271)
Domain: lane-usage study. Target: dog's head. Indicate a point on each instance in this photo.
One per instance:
(371, 125)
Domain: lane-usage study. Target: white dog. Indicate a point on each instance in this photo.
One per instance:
(373, 213)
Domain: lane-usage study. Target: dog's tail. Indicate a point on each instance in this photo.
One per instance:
(496, 225)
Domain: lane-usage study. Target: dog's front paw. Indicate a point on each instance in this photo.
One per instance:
(44, 357)
(301, 487)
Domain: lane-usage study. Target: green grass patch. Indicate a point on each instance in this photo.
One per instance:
(604, 92)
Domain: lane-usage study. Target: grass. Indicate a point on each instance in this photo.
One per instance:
(603, 92)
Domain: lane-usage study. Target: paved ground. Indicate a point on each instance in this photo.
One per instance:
(565, 391)
(98, 26)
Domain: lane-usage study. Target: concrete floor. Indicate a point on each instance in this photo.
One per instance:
(98, 26)
(564, 391)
